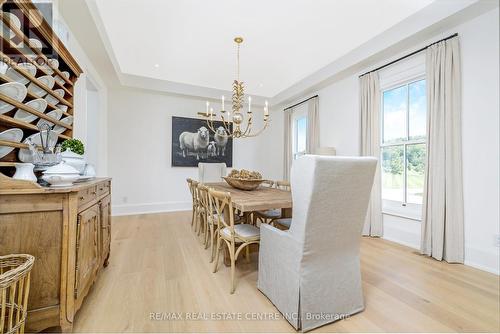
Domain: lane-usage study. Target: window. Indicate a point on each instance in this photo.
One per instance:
(299, 130)
(300, 137)
(403, 147)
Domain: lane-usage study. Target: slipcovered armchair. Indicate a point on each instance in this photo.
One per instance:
(211, 172)
(311, 272)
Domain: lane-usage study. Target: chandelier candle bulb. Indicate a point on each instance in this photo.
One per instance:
(266, 109)
(223, 103)
(249, 104)
(208, 104)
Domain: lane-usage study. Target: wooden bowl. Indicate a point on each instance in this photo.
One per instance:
(243, 184)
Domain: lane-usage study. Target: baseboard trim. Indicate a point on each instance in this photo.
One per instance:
(145, 208)
(398, 241)
(483, 260)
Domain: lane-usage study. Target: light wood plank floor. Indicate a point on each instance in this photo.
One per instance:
(157, 264)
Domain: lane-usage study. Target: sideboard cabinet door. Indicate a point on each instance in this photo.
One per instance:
(87, 254)
(105, 222)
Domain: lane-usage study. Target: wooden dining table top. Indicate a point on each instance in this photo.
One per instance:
(262, 198)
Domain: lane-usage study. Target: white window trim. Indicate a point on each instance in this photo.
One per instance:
(395, 76)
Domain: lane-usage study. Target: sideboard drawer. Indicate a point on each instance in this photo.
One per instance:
(87, 195)
(103, 188)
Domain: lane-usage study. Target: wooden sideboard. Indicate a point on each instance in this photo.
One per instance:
(68, 230)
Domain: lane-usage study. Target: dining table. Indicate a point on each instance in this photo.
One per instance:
(261, 199)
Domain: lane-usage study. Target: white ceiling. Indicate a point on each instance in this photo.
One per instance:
(191, 41)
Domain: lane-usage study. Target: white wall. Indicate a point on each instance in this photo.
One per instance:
(479, 39)
(92, 145)
(140, 151)
(83, 126)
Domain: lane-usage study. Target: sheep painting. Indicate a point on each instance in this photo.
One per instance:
(212, 149)
(221, 140)
(194, 142)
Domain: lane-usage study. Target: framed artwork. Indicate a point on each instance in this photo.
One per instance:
(194, 142)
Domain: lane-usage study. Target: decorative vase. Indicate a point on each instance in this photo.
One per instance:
(24, 171)
(74, 160)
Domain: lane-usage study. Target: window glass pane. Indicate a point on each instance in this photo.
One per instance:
(415, 154)
(393, 173)
(394, 114)
(301, 134)
(417, 110)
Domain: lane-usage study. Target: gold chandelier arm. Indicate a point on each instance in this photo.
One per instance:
(260, 131)
(210, 125)
(248, 128)
(226, 127)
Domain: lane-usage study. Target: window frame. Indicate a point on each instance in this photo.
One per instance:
(403, 209)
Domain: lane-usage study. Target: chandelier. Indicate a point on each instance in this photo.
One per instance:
(237, 117)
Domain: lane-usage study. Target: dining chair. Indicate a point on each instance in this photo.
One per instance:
(269, 216)
(313, 269)
(204, 213)
(325, 150)
(282, 223)
(213, 227)
(193, 199)
(196, 206)
(283, 185)
(211, 172)
(236, 236)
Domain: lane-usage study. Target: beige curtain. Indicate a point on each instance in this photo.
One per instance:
(312, 125)
(287, 143)
(442, 216)
(370, 146)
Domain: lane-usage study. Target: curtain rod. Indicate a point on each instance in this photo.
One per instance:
(296, 104)
(409, 55)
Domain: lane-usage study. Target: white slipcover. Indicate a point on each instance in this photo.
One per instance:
(211, 172)
(311, 272)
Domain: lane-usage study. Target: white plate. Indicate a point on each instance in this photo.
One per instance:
(56, 113)
(3, 67)
(35, 44)
(30, 49)
(16, 76)
(51, 99)
(38, 105)
(14, 90)
(38, 91)
(25, 155)
(63, 107)
(60, 80)
(54, 63)
(4, 28)
(66, 120)
(14, 135)
(84, 178)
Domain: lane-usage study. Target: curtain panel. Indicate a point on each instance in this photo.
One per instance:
(287, 142)
(370, 146)
(442, 210)
(312, 126)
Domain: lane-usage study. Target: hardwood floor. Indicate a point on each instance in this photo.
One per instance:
(158, 265)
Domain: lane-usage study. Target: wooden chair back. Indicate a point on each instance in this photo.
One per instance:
(221, 202)
(203, 197)
(283, 185)
(191, 190)
(267, 183)
(194, 186)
